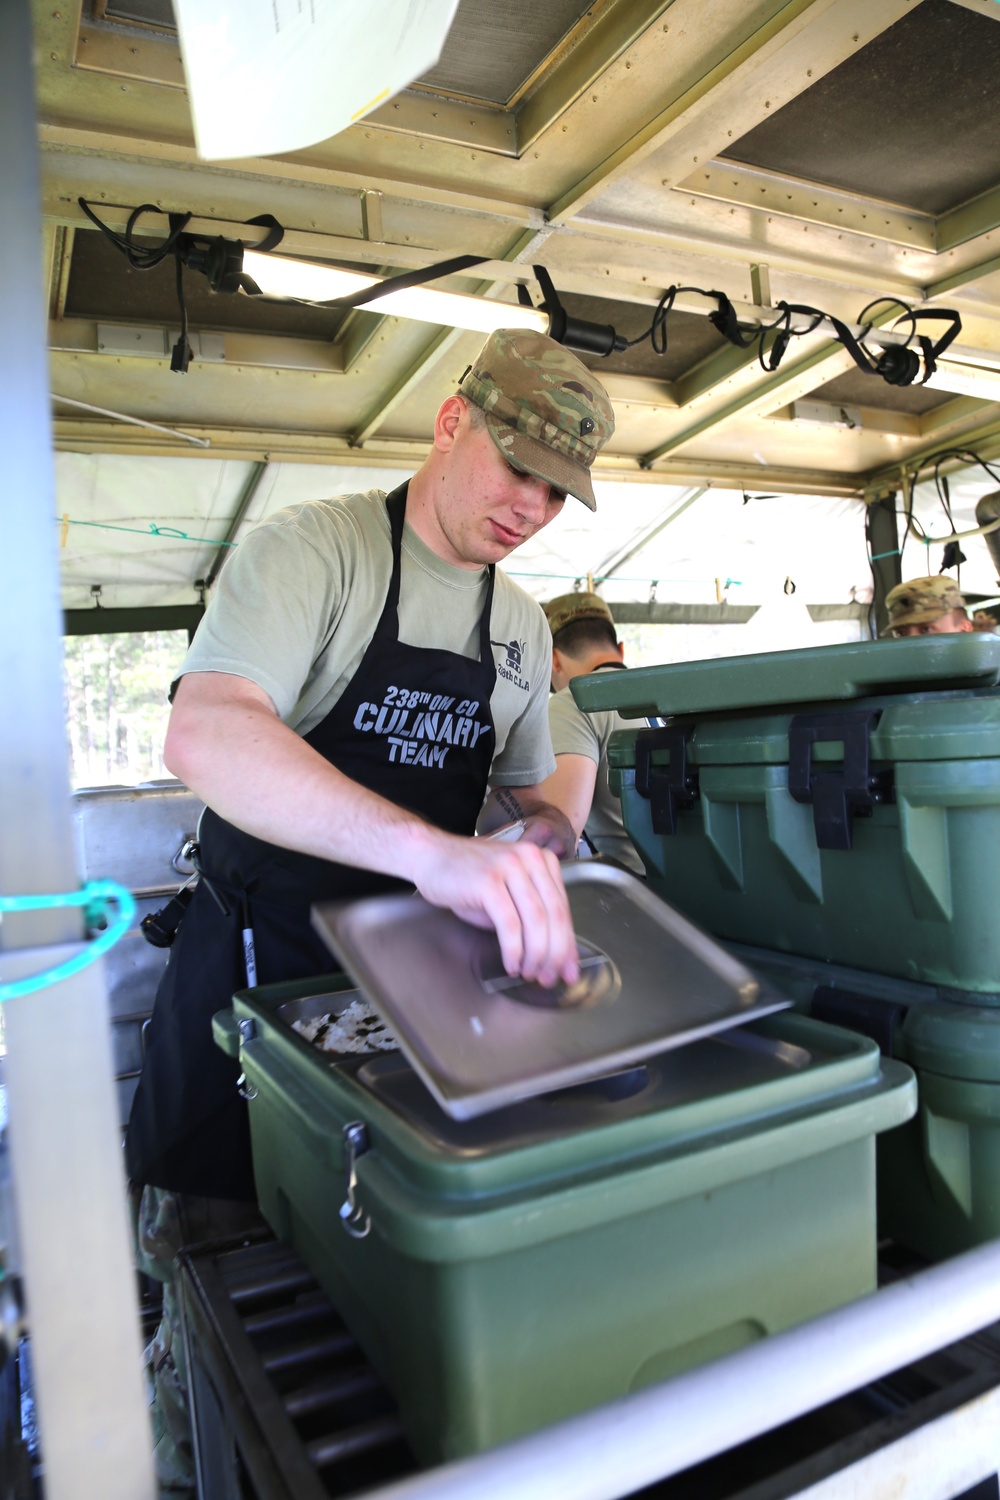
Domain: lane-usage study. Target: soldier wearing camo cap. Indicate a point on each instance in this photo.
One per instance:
(926, 606)
(545, 411)
(364, 686)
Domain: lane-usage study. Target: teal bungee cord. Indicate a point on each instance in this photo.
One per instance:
(94, 896)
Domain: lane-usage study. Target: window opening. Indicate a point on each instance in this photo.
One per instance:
(116, 704)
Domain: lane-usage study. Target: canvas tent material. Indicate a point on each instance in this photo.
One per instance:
(147, 528)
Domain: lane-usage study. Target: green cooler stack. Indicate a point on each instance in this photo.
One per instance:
(835, 812)
(507, 1271)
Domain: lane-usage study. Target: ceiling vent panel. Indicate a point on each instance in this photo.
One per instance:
(492, 52)
(158, 13)
(495, 47)
(858, 389)
(910, 119)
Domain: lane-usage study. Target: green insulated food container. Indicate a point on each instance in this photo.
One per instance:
(842, 802)
(506, 1271)
(938, 1176)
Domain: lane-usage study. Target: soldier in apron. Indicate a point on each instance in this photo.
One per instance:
(364, 690)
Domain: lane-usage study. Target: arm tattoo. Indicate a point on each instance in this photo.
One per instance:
(508, 802)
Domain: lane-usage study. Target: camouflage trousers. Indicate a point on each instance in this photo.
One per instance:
(164, 1223)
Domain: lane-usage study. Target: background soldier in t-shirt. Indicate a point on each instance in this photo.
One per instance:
(584, 640)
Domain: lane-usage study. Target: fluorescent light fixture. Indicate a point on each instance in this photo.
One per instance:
(963, 354)
(278, 276)
(965, 380)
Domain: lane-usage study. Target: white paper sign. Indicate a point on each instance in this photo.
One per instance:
(267, 76)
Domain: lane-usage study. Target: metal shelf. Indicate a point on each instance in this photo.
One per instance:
(287, 1408)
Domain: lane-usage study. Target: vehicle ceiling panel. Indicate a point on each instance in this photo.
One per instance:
(601, 144)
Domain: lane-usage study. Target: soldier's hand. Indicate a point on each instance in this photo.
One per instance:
(550, 829)
(516, 889)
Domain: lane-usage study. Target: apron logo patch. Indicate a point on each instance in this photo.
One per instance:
(510, 670)
(420, 728)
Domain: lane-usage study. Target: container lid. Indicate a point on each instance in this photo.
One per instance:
(947, 727)
(859, 669)
(650, 980)
(717, 1069)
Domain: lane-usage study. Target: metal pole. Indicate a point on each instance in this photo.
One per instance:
(637, 544)
(64, 1147)
(104, 411)
(883, 548)
(250, 487)
(629, 1444)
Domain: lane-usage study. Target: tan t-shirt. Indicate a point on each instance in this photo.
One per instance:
(577, 733)
(297, 603)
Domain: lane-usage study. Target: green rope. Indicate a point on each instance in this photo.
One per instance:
(94, 897)
(170, 532)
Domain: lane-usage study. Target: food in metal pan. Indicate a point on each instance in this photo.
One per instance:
(358, 1028)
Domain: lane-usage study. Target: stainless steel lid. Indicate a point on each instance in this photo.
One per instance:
(650, 981)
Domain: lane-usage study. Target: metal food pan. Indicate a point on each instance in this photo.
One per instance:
(650, 981)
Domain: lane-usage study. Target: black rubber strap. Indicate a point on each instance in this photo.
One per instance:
(381, 288)
(724, 319)
(408, 279)
(933, 352)
(274, 236)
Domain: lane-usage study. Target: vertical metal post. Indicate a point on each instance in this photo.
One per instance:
(639, 542)
(64, 1145)
(883, 548)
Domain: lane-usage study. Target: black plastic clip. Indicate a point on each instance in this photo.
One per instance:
(160, 927)
(882, 1020)
(668, 789)
(837, 796)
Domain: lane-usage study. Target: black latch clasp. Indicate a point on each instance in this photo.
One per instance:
(667, 788)
(160, 927)
(837, 796)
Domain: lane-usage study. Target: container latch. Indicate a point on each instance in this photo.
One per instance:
(352, 1216)
(248, 1033)
(668, 789)
(838, 796)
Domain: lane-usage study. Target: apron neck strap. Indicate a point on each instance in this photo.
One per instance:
(395, 505)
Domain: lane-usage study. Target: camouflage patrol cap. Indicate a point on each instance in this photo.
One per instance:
(568, 608)
(920, 601)
(544, 409)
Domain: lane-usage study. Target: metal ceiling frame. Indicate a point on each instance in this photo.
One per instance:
(796, 198)
(646, 94)
(983, 439)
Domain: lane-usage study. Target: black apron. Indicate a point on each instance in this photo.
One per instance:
(415, 726)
